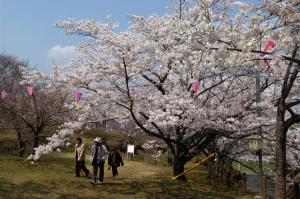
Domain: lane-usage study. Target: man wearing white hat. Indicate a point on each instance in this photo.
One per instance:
(98, 155)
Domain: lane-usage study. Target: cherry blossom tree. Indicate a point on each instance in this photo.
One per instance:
(191, 75)
(9, 77)
(280, 22)
(149, 73)
(35, 114)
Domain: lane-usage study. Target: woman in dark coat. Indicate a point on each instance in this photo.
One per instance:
(114, 161)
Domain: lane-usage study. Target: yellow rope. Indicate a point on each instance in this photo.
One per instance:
(198, 164)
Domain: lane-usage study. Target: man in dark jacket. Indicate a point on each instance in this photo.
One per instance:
(114, 161)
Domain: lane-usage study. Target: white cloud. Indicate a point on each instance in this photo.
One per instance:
(61, 54)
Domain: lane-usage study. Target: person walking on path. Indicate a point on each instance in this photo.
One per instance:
(98, 155)
(114, 161)
(80, 158)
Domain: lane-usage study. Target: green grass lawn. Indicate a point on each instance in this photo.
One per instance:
(54, 177)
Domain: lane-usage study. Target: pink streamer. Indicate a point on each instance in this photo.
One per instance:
(196, 85)
(267, 63)
(30, 90)
(270, 44)
(77, 96)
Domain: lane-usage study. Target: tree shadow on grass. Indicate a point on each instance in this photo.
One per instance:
(31, 189)
(113, 188)
(23, 190)
(153, 188)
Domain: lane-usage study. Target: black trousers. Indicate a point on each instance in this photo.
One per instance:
(81, 165)
(114, 171)
(99, 165)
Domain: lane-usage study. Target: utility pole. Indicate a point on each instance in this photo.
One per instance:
(181, 2)
(259, 131)
(148, 136)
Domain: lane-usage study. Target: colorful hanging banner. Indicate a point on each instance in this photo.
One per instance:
(3, 94)
(30, 90)
(270, 44)
(78, 96)
(196, 85)
(267, 63)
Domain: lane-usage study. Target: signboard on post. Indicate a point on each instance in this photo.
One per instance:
(130, 149)
(255, 143)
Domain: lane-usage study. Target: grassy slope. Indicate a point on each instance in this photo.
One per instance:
(53, 177)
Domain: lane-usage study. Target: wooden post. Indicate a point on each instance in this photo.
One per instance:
(209, 168)
(245, 182)
(228, 179)
(244, 179)
(215, 169)
(222, 172)
(264, 187)
(296, 190)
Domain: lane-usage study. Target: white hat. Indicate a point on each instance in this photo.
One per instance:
(97, 139)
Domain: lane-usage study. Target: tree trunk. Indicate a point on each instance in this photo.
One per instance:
(21, 142)
(296, 190)
(228, 179)
(35, 143)
(22, 145)
(178, 168)
(280, 155)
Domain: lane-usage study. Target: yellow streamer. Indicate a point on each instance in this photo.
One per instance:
(77, 105)
(198, 164)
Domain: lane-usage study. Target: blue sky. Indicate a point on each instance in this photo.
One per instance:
(27, 26)
(27, 31)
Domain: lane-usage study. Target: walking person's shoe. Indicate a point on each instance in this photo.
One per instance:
(100, 182)
(87, 174)
(93, 183)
